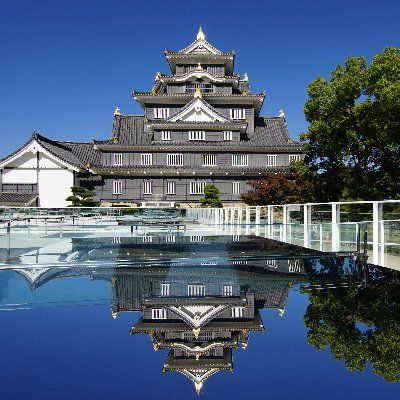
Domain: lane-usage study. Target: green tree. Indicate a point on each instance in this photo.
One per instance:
(211, 197)
(279, 189)
(81, 197)
(352, 143)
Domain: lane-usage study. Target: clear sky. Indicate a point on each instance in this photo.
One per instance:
(66, 65)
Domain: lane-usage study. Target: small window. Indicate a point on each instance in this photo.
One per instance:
(235, 187)
(237, 312)
(196, 290)
(175, 160)
(294, 157)
(196, 238)
(227, 290)
(240, 160)
(170, 239)
(237, 113)
(165, 289)
(118, 159)
(272, 160)
(161, 113)
(117, 187)
(147, 187)
(146, 159)
(197, 187)
(197, 135)
(165, 135)
(147, 239)
(170, 187)
(209, 160)
(227, 135)
(158, 313)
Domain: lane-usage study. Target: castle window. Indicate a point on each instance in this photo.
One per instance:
(165, 135)
(235, 187)
(165, 289)
(161, 113)
(147, 187)
(294, 157)
(209, 160)
(197, 187)
(146, 159)
(237, 312)
(117, 187)
(240, 160)
(237, 113)
(170, 187)
(118, 159)
(197, 135)
(272, 160)
(227, 135)
(175, 160)
(196, 290)
(227, 290)
(158, 313)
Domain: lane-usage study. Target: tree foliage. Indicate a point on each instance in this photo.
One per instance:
(353, 145)
(211, 197)
(279, 189)
(81, 197)
(360, 325)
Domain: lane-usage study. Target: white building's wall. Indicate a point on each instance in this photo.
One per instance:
(54, 187)
(26, 160)
(19, 176)
(47, 162)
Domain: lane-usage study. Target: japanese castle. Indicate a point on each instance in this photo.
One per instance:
(201, 125)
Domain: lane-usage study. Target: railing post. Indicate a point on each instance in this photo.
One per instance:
(239, 216)
(247, 215)
(270, 220)
(258, 215)
(307, 223)
(335, 226)
(376, 217)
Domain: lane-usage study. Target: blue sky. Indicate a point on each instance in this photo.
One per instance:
(66, 65)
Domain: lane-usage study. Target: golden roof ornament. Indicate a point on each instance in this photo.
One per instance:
(245, 77)
(196, 333)
(197, 93)
(199, 67)
(198, 386)
(200, 34)
(158, 76)
(281, 311)
(117, 111)
(114, 314)
(281, 114)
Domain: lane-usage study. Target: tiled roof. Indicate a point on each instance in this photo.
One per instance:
(14, 198)
(129, 130)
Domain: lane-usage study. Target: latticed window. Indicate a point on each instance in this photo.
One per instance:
(118, 159)
(175, 160)
(146, 159)
(147, 239)
(237, 312)
(227, 135)
(227, 290)
(165, 135)
(158, 313)
(235, 187)
(170, 187)
(196, 290)
(165, 289)
(237, 113)
(197, 187)
(209, 160)
(161, 113)
(240, 160)
(147, 187)
(272, 160)
(117, 187)
(197, 135)
(294, 157)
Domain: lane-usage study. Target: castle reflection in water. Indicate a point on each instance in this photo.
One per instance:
(199, 296)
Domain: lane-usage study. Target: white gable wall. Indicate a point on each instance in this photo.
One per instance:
(54, 187)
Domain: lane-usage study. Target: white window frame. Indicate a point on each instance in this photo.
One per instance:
(165, 289)
(294, 157)
(117, 187)
(196, 290)
(227, 290)
(237, 312)
(209, 160)
(236, 187)
(147, 187)
(146, 159)
(237, 113)
(166, 135)
(175, 160)
(117, 158)
(197, 187)
(170, 187)
(227, 136)
(197, 135)
(272, 160)
(240, 160)
(158, 313)
(161, 113)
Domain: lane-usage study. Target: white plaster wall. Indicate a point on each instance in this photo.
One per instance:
(47, 162)
(19, 176)
(26, 160)
(54, 187)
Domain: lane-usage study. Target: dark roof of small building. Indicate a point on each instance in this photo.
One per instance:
(14, 198)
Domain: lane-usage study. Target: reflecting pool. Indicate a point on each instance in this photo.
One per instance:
(178, 315)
